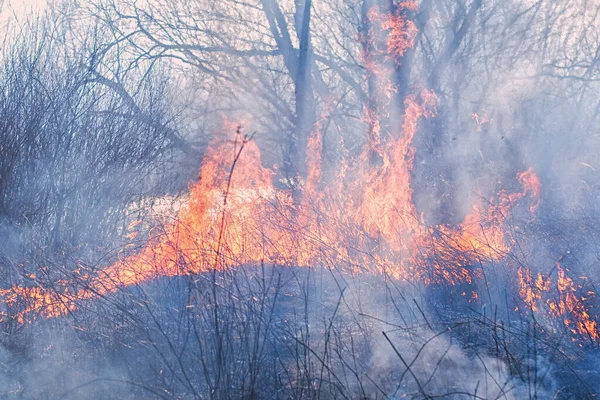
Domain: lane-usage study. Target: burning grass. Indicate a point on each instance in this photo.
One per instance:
(361, 224)
(365, 223)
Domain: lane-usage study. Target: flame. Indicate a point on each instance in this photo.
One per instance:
(397, 34)
(401, 32)
(363, 221)
(563, 304)
(571, 308)
(238, 217)
(531, 183)
(531, 290)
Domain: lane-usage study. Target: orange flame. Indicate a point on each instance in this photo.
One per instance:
(369, 210)
(564, 305)
(531, 183)
(572, 309)
(364, 221)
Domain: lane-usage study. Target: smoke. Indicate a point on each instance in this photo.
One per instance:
(439, 367)
(322, 330)
(53, 361)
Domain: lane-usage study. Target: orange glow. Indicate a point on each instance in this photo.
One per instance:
(563, 304)
(571, 308)
(366, 222)
(400, 32)
(531, 290)
(531, 183)
(362, 220)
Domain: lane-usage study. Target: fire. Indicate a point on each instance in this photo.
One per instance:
(531, 183)
(237, 216)
(397, 34)
(531, 290)
(561, 300)
(571, 308)
(401, 31)
(365, 220)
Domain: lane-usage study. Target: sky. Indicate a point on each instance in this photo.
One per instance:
(11, 10)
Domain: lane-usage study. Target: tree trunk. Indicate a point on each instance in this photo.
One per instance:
(305, 108)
